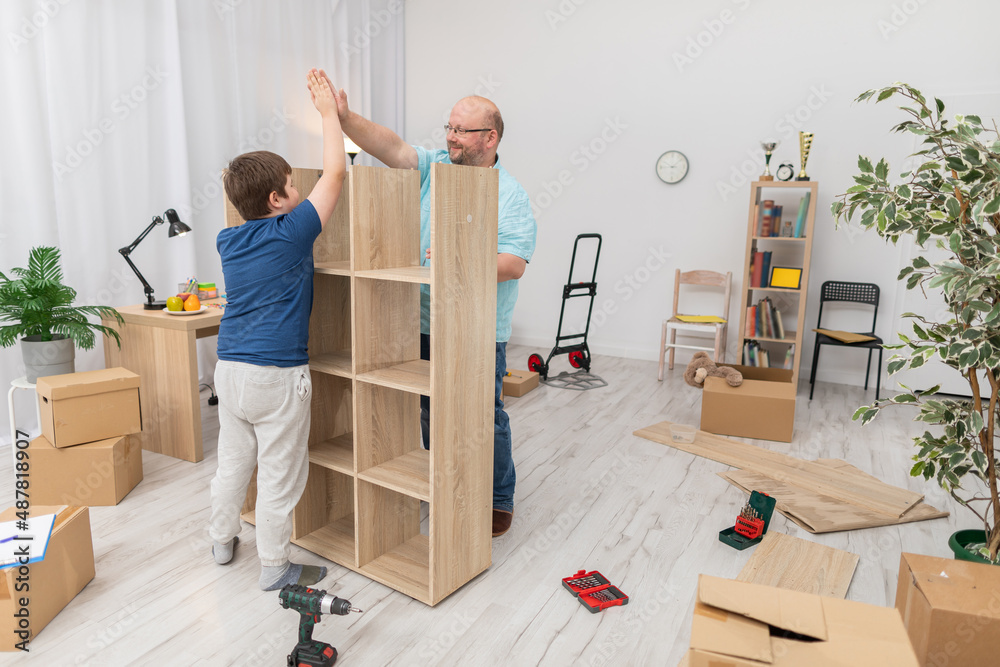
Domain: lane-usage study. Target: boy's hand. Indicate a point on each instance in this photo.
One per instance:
(324, 96)
(343, 111)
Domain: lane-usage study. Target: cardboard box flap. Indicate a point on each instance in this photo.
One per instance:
(793, 611)
(86, 383)
(954, 585)
(759, 388)
(725, 634)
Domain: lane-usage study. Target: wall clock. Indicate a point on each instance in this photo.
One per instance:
(672, 167)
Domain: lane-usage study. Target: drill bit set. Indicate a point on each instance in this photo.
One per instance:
(751, 523)
(594, 591)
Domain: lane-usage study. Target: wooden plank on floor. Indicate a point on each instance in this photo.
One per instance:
(788, 562)
(842, 484)
(822, 514)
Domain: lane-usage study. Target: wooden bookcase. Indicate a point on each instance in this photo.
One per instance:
(789, 252)
(368, 471)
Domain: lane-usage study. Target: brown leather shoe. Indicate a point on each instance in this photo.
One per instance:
(501, 521)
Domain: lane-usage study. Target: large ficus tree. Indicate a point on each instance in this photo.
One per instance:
(951, 200)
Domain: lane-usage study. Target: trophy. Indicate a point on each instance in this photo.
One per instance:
(768, 147)
(805, 143)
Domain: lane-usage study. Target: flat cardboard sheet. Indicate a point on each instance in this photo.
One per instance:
(794, 564)
(844, 336)
(822, 514)
(733, 621)
(843, 485)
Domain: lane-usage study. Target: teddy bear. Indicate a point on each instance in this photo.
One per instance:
(702, 366)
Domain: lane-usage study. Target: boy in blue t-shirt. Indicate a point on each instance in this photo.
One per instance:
(262, 377)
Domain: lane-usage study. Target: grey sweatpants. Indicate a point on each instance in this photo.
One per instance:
(264, 414)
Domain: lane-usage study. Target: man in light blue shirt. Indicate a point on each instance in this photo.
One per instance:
(474, 130)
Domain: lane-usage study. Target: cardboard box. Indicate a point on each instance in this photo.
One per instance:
(951, 609)
(51, 583)
(519, 383)
(97, 473)
(741, 624)
(85, 407)
(762, 407)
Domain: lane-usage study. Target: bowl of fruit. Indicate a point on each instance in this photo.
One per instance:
(185, 304)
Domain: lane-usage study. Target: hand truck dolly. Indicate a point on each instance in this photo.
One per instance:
(579, 353)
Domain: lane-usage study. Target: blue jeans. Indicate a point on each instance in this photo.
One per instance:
(504, 476)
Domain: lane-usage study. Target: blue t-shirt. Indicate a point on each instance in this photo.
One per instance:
(268, 269)
(515, 235)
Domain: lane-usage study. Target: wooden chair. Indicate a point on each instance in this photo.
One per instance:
(717, 329)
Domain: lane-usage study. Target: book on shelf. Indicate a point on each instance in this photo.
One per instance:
(764, 321)
(789, 357)
(765, 272)
(800, 220)
(776, 221)
(766, 217)
(757, 266)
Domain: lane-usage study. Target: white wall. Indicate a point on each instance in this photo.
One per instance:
(568, 74)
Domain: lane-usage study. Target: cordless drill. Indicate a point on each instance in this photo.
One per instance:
(310, 603)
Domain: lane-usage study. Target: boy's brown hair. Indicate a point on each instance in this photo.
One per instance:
(251, 178)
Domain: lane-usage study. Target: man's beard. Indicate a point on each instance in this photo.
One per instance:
(466, 156)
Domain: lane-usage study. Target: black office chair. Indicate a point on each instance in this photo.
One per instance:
(866, 293)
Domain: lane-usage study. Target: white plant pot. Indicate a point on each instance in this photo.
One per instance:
(44, 358)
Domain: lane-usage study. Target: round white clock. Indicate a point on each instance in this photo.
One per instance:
(672, 167)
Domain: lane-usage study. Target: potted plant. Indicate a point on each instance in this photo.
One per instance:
(951, 200)
(36, 307)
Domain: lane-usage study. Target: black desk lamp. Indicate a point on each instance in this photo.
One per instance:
(351, 148)
(177, 228)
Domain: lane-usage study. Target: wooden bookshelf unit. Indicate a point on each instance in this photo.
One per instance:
(368, 471)
(786, 251)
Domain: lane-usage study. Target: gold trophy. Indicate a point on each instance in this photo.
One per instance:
(805, 143)
(768, 147)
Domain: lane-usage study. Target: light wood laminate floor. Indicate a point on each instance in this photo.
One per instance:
(590, 495)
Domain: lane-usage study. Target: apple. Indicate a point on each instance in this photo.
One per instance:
(175, 303)
(184, 296)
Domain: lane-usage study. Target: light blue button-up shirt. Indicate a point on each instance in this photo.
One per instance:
(516, 235)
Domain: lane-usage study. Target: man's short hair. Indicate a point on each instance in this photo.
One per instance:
(251, 178)
(497, 121)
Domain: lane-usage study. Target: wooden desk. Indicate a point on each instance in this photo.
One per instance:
(161, 349)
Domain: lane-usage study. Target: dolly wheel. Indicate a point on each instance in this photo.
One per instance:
(577, 360)
(535, 363)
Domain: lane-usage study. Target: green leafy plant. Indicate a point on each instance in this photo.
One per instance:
(37, 303)
(951, 200)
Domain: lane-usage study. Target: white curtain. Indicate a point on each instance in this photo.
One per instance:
(115, 110)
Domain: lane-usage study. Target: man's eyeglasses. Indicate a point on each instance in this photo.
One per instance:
(461, 131)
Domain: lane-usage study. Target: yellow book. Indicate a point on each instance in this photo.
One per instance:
(701, 318)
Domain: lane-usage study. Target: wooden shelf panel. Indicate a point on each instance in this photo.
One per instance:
(335, 454)
(334, 541)
(333, 268)
(774, 289)
(405, 568)
(789, 338)
(782, 184)
(408, 474)
(332, 363)
(780, 238)
(406, 274)
(412, 376)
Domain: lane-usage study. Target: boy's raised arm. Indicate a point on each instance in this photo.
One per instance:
(325, 194)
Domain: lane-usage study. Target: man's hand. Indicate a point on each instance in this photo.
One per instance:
(324, 96)
(343, 111)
